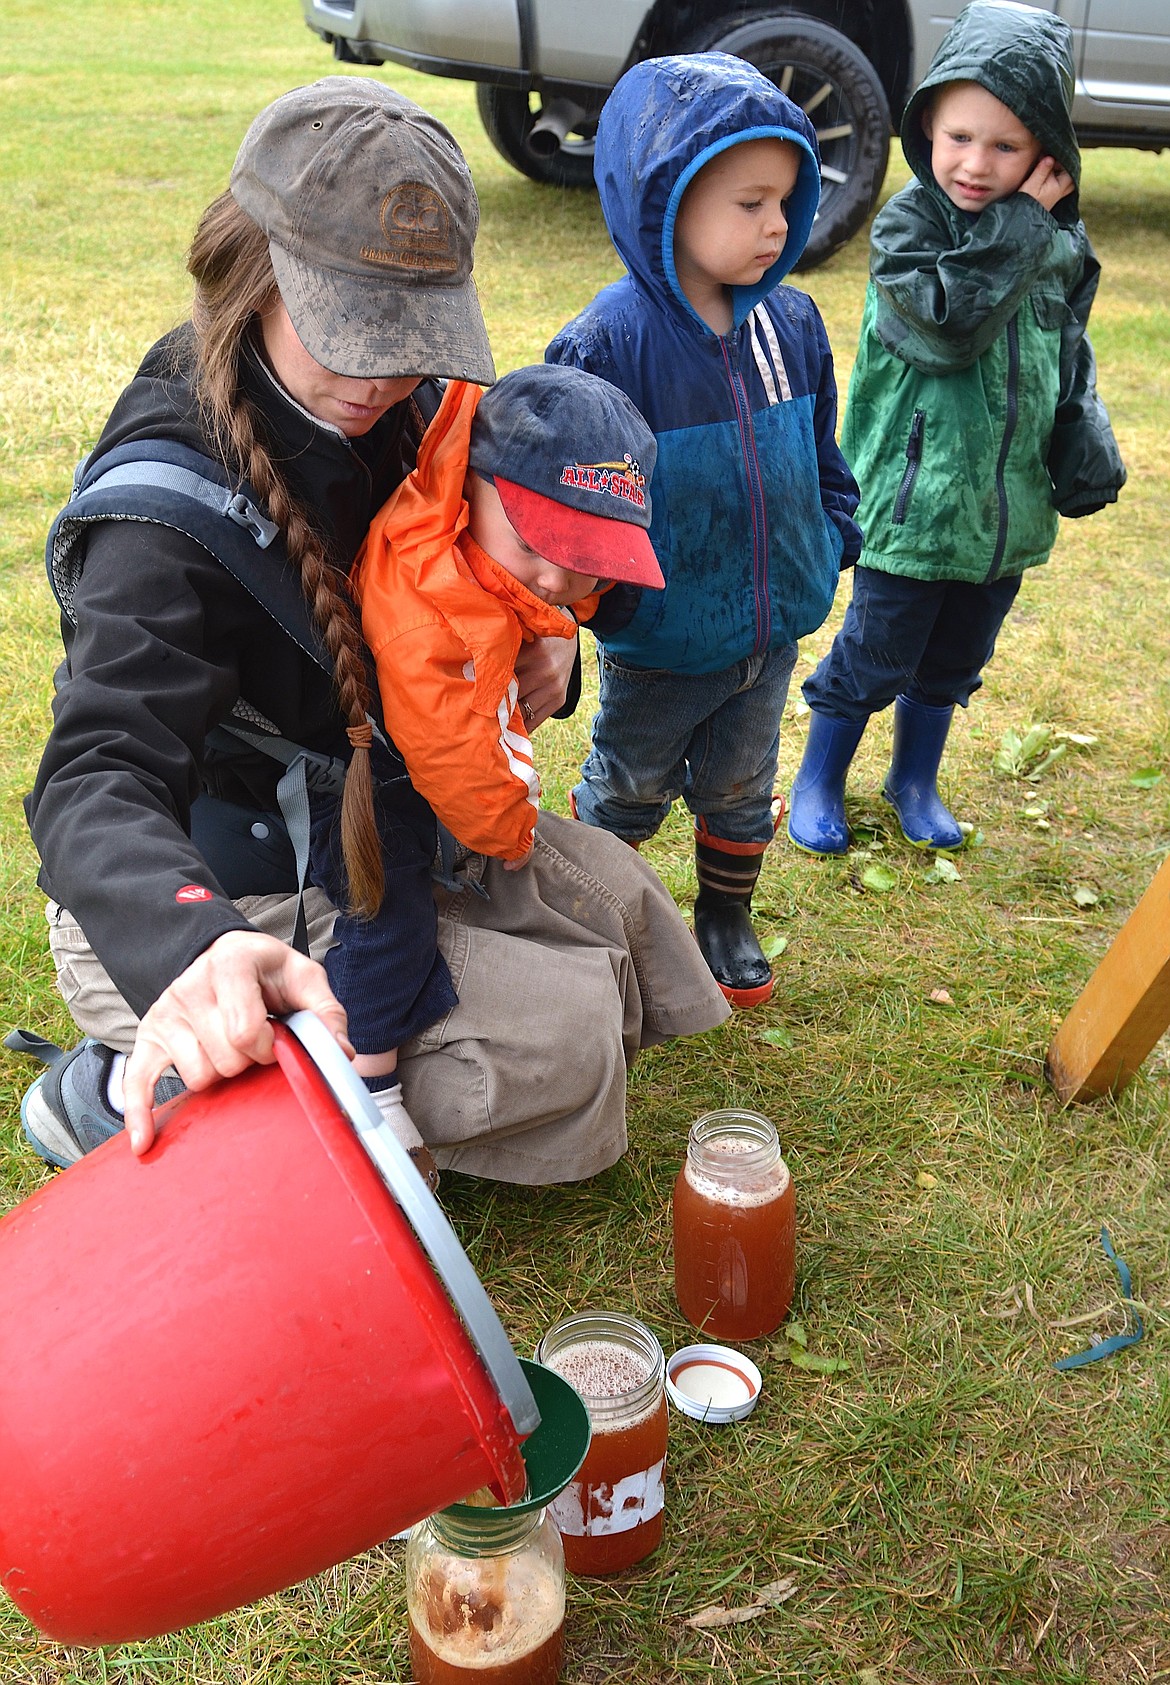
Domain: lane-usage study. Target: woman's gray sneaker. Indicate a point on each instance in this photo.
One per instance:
(65, 1113)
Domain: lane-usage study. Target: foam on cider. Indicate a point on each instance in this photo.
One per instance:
(473, 1624)
(601, 1372)
(763, 1187)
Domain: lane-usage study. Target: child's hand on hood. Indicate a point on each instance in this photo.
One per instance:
(1048, 183)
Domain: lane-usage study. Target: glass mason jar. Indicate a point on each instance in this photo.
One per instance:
(610, 1516)
(734, 1228)
(485, 1592)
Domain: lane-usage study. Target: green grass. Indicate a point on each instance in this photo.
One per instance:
(951, 1507)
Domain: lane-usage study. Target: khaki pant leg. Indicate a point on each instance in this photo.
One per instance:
(525, 1080)
(582, 889)
(568, 967)
(96, 1006)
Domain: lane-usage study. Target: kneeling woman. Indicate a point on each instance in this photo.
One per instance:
(332, 284)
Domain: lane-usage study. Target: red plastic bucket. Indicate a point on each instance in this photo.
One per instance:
(231, 1364)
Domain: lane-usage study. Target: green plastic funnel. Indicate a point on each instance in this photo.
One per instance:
(555, 1450)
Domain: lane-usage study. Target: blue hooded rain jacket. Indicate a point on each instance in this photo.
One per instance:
(753, 501)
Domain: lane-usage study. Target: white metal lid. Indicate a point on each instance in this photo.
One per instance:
(712, 1383)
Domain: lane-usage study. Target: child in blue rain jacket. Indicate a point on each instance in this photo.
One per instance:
(709, 179)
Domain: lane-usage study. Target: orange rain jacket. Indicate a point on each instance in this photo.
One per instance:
(445, 624)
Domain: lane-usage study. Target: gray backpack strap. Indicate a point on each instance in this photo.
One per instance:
(168, 476)
(323, 773)
(292, 797)
(174, 485)
(449, 857)
(304, 770)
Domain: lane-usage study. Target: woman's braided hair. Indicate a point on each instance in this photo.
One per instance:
(234, 283)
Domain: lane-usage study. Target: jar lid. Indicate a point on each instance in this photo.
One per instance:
(425, 1216)
(713, 1383)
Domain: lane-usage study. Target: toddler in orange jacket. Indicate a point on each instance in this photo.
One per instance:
(525, 501)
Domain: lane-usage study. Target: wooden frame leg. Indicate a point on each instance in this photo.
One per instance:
(1124, 1007)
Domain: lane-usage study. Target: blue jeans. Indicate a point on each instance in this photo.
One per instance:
(711, 738)
(922, 638)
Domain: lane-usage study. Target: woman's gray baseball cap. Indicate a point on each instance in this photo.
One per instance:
(371, 218)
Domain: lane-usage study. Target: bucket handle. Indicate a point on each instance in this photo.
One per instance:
(424, 1214)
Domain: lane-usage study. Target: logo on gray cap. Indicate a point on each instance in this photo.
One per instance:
(417, 226)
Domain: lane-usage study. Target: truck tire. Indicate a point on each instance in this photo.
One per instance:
(831, 79)
(508, 114)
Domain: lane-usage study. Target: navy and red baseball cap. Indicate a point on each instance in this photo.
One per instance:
(571, 458)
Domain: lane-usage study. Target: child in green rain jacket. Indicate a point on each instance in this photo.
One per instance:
(972, 420)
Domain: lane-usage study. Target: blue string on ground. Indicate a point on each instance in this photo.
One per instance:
(1115, 1342)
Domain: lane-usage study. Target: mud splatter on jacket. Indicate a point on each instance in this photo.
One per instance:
(973, 416)
(753, 501)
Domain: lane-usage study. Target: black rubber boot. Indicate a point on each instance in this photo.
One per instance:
(723, 921)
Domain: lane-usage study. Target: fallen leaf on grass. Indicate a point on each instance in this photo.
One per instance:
(940, 997)
(869, 1676)
(776, 1038)
(925, 1180)
(879, 878)
(812, 1361)
(1099, 1315)
(774, 948)
(1050, 759)
(716, 1615)
(1146, 777)
(944, 870)
(1015, 1302)
(1084, 896)
(793, 1348)
(1031, 755)
(768, 1597)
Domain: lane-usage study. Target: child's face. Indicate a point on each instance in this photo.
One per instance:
(732, 223)
(494, 532)
(980, 152)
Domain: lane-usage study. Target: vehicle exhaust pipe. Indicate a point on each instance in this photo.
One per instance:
(547, 134)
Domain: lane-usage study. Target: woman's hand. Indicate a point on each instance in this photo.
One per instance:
(214, 1021)
(1048, 183)
(543, 670)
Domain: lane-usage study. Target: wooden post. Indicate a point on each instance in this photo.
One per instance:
(1124, 1007)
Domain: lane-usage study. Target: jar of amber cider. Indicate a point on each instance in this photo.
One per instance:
(485, 1594)
(610, 1516)
(734, 1228)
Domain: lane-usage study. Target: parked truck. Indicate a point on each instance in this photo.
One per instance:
(543, 69)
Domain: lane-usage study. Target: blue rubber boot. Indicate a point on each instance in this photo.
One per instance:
(816, 811)
(920, 733)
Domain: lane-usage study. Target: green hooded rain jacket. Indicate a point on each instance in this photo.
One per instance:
(973, 416)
